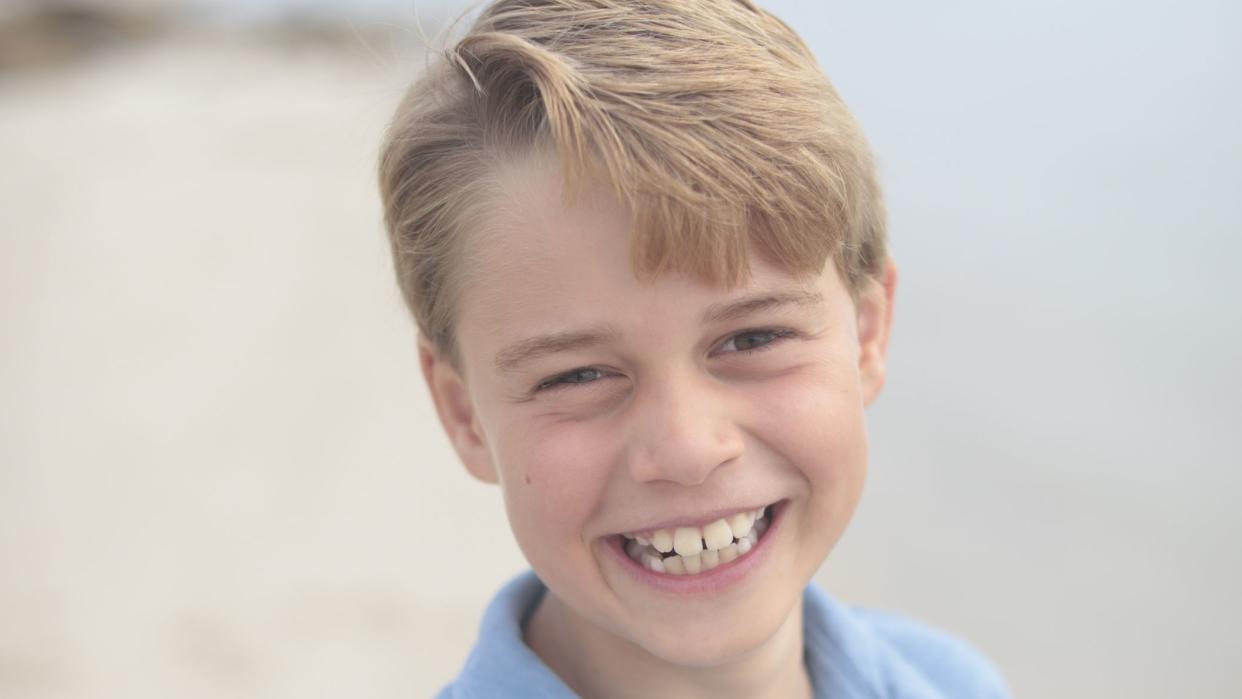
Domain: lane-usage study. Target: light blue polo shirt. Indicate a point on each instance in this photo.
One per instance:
(851, 653)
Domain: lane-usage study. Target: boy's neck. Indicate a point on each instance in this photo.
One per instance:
(597, 664)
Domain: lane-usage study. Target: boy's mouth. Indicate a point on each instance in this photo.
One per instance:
(691, 550)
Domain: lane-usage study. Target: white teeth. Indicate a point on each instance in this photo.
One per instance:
(697, 550)
(687, 541)
(662, 540)
(740, 524)
(717, 535)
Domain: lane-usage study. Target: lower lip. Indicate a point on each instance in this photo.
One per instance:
(718, 578)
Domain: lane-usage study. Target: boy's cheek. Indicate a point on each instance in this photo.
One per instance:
(553, 485)
(818, 433)
(811, 419)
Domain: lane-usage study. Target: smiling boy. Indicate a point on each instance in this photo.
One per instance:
(645, 249)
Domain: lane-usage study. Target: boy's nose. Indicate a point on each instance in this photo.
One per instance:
(681, 431)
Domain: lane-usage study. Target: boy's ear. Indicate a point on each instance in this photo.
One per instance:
(456, 411)
(875, 320)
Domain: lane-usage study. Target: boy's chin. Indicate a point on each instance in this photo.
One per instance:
(715, 642)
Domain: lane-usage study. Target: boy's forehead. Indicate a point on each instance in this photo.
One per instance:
(559, 277)
(550, 271)
(534, 183)
(537, 232)
(532, 212)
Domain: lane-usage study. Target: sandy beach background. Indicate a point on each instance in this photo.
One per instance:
(220, 475)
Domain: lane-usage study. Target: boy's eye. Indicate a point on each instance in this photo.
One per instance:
(577, 376)
(753, 340)
(748, 341)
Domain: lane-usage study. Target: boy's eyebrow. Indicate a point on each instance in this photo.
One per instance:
(743, 307)
(523, 351)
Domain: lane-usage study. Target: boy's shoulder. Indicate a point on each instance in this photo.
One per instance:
(857, 651)
(851, 653)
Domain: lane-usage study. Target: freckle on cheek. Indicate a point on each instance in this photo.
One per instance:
(527, 479)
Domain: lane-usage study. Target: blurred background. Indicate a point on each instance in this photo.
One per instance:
(220, 475)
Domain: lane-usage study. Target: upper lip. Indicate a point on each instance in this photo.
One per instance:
(696, 520)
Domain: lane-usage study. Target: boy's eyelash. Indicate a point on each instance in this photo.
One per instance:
(777, 334)
(559, 381)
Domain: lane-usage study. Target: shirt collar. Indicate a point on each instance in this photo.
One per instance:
(840, 655)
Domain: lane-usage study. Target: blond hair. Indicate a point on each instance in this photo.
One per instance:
(709, 119)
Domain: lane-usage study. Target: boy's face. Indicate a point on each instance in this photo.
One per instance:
(605, 405)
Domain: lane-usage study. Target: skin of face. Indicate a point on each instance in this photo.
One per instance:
(603, 403)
